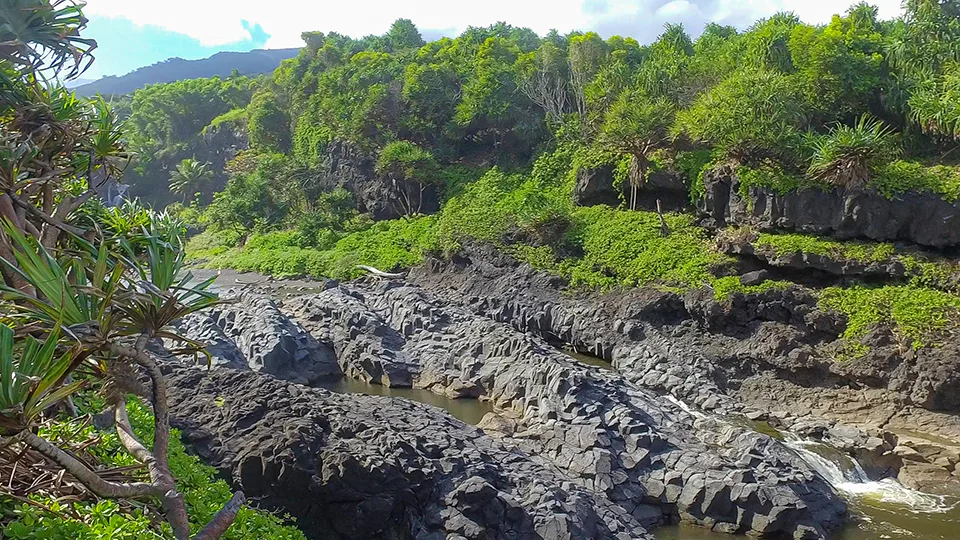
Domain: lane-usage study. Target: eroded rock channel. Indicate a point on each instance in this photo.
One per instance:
(564, 449)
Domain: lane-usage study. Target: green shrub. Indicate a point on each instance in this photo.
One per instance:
(900, 177)
(918, 315)
(849, 155)
(864, 252)
(203, 492)
(725, 287)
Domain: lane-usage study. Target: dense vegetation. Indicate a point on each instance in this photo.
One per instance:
(502, 119)
(84, 289)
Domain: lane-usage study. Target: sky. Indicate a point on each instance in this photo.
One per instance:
(135, 33)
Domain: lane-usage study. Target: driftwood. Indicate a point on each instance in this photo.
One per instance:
(379, 273)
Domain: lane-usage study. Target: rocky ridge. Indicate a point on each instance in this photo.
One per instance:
(921, 218)
(762, 355)
(359, 467)
(644, 453)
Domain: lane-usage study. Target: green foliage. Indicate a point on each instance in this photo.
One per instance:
(901, 177)
(863, 252)
(204, 494)
(269, 124)
(627, 247)
(386, 245)
(849, 156)
(724, 288)
(768, 175)
(407, 161)
(752, 114)
(919, 316)
(189, 177)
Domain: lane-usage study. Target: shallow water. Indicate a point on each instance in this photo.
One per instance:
(878, 509)
(470, 411)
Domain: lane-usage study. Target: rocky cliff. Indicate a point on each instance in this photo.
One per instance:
(920, 218)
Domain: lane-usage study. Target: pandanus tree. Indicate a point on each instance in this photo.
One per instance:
(637, 125)
(80, 301)
(848, 155)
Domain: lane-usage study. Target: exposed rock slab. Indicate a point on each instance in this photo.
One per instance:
(359, 467)
(640, 450)
(253, 334)
(920, 218)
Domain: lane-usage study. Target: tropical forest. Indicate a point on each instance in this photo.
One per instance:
(499, 285)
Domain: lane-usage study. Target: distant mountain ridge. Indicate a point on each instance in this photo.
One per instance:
(222, 64)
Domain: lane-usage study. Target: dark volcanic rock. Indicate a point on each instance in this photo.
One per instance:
(360, 467)
(349, 167)
(596, 186)
(253, 334)
(921, 218)
(754, 354)
(640, 450)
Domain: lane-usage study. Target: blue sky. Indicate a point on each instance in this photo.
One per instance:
(123, 46)
(134, 33)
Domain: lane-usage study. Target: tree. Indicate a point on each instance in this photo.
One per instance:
(403, 34)
(268, 124)
(80, 300)
(410, 169)
(636, 125)
(586, 54)
(848, 156)
(751, 115)
(189, 177)
(543, 77)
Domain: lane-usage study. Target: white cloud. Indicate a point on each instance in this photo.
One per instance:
(218, 22)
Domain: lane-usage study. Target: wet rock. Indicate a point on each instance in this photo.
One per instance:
(359, 467)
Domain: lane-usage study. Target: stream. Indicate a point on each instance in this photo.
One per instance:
(878, 509)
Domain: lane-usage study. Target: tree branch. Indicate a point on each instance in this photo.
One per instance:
(224, 518)
(90, 479)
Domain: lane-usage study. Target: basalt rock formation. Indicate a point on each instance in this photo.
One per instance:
(765, 356)
(596, 185)
(349, 167)
(641, 451)
(357, 467)
(920, 218)
(252, 334)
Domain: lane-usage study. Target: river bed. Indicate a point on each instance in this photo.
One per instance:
(878, 509)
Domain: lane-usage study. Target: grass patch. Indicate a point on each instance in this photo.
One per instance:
(901, 176)
(204, 495)
(919, 316)
(386, 245)
(864, 252)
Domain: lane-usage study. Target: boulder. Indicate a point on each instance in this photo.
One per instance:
(352, 467)
(253, 334)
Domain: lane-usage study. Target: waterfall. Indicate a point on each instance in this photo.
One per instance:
(847, 476)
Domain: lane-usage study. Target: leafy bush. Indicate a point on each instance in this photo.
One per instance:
(203, 492)
(918, 315)
(750, 115)
(901, 177)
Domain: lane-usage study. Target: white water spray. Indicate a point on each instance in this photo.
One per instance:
(853, 481)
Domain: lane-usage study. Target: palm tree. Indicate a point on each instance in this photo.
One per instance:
(189, 176)
(44, 33)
